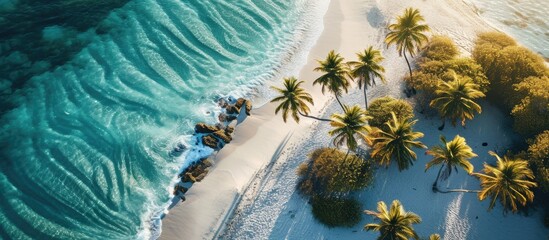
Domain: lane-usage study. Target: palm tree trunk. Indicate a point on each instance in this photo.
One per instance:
(313, 117)
(459, 190)
(365, 97)
(435, 187)
(340, 104)
(443, 124)
(410, 90)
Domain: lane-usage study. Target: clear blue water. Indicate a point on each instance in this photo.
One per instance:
(95, 95)
(525, 20)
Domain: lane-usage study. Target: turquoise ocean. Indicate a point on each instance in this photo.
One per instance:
(95, 95)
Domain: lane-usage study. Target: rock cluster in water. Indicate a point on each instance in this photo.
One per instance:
(213, 136)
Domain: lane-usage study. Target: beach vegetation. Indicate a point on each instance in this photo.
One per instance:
(396, 143)
(456, 100)
(348, 126)
(293, 100)
(336, 212)
(531, 114)
(329, 173)
(408, 34)
(450, 155)
(438, 65)
(538, 153)
(440, 48)
(394, 223)
(367, 69)
(510, 181)
(434, 236)
(380, 111)
(336, 75)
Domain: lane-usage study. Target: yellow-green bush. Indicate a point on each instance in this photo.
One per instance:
(532, 113)
(440, 48)
(335, 212)
(538, 153)
(380, 110)
(328, 173)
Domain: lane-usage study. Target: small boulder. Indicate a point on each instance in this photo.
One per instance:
(205, 128)
(188, 177)
(226, 118)
(229, 130)
(201, 176)
(210, 141)
(248, 107)
(207, 162)
(240, 102)
(232, 109)
(221, 135)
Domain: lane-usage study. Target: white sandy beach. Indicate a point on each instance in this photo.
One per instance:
(250, 193)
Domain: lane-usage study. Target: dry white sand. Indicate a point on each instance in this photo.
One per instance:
(237, 200)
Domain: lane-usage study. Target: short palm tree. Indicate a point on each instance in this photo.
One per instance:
(396, 143)
(345, 126)
(509, 180)
(455, 100)
(367, 68)
(395, 223)
(336, 77)
(450, 155)
(293, 100)
(434, 236)
(407, 34)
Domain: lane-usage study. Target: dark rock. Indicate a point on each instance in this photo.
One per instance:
(484, 144)
(179, 189)
(180, 147)
(210, 141)
(207, 162)
(221, 135)
(201, 176)
(183, 198)
(248, 107)
(205, 128)
(229, 130)
(188, 177)
(226, 118)
(231, 109)
(239, 103)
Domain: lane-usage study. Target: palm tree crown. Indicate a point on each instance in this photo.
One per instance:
(450, 155)
(455, 100)
(395, 224)
(509, 180)
(367, 68)
(336, 75)
(407, 33)
(396, 143)
(345, 126)
(293, 99)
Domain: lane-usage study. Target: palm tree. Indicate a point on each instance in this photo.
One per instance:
(509, 180)
(293, 99)
(450, 155)
(455, 100)
(395, 224)
(345, 126)
(408, 34)
(396, 143)
(367, 68)
(336, 75)
(434, 236)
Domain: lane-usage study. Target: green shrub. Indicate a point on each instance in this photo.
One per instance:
(506, 64)
(532, 113)
(335, 212)
(328, 173)
(538, 152)
(440, 48)
(380, 110)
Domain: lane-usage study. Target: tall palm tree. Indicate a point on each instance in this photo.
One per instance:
(367, 68)
(293, 100)
(509, 180)
(450, 155)
(455, 100)
(345, 126)
(396, 143)
(336, 75)
(407, 34)
(395, 224)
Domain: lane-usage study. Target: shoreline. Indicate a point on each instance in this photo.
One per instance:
(243, 168)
